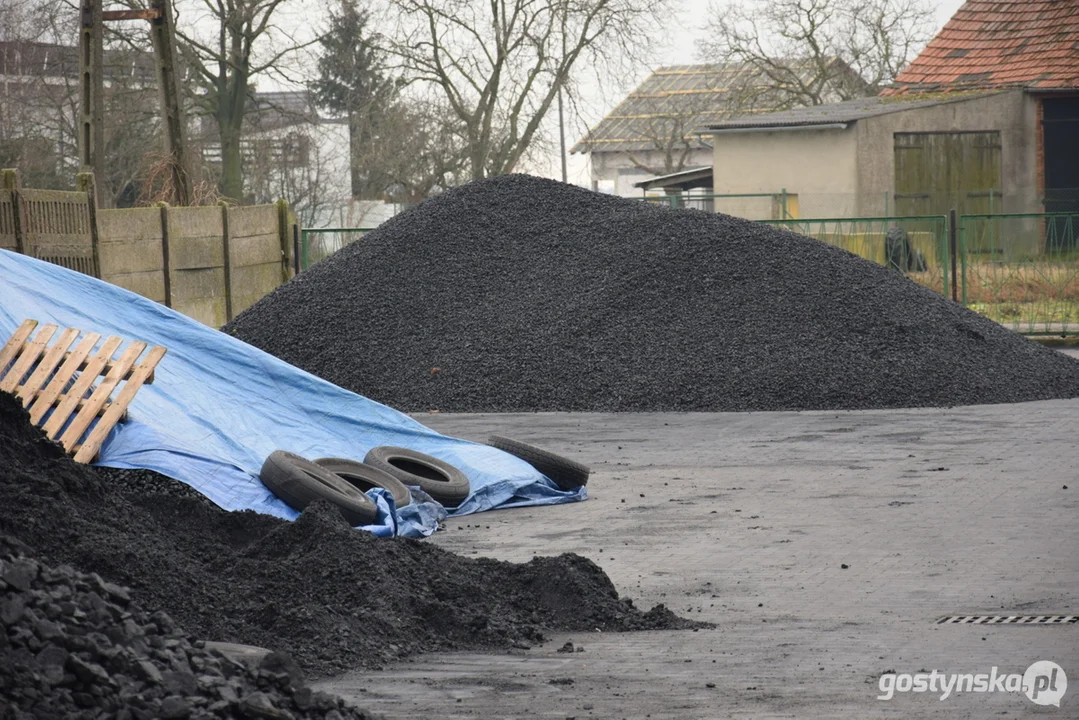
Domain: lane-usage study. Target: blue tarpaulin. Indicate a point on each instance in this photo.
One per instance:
(218, 407)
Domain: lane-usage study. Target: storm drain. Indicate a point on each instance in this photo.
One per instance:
(1008, 620)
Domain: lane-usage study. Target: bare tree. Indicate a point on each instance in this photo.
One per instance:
(500, 64)
(672, 140)
(671, 128)
(811, 52)
(294, 166)
(38, 98)
(226, 47)
(420, 148)
(39, 102)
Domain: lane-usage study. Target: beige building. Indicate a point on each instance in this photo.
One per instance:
(906, 155)
(654, 131)
(985, 120)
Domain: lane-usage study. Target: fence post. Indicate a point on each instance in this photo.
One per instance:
(296, 248)
(86, 183)
(283, 234)
(18, 210)
(227, 254)
(166, 265)
(953, 252)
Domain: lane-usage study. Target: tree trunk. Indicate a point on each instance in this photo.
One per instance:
(476, 161)
(232, 179)
(230, 118)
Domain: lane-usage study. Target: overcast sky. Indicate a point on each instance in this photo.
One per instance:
(686, 29)
(682, 47)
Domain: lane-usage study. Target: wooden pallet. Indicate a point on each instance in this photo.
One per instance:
(55, 378)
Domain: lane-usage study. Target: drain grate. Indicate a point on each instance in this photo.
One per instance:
(1008, 620)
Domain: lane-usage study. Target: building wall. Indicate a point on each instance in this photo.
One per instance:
(817, 165)
(615, 173)
(1013, 113)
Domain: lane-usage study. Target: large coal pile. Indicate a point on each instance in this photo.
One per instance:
(332, 597)
(519, 294)
(75, 646)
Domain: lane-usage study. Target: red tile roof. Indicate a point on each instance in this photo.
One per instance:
(999, 43)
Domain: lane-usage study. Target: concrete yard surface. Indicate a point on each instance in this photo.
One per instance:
(824, 546)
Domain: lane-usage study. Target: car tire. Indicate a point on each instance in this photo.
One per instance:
(299, 482)
(565, 473)
(442, 481)
(364, 477)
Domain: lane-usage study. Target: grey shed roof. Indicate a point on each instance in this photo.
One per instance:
(700, 177)
(842, 112)
(674, 101)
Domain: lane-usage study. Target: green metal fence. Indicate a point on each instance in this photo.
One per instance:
(318, 243)
(1022, 270)
(776, 206)
(916, 246)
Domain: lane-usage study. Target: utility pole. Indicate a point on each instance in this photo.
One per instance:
(92, 83)
(164, 39)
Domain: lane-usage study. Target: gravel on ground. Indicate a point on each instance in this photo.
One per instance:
(517, 293)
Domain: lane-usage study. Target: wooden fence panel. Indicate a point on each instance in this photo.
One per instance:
(7, 221)
(175, 256)
(58, 228)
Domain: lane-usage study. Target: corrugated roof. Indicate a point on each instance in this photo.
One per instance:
(843, 112)
(1000, 43)
(677, 100)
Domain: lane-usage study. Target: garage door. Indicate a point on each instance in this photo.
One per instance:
(935, 172)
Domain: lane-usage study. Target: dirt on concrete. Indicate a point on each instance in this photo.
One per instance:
(747, 520)
(333, 597)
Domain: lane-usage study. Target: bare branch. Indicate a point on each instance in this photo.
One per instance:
(500, 64)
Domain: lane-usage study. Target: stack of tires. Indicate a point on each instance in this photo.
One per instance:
(299, 481)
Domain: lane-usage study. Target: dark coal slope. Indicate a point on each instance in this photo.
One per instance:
(333, 597)
(528, 294)
(75, 646)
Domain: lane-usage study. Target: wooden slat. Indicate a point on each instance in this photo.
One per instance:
(82, 420)
(66, 387)
(103, 370)
(56, 353)
(116, 410)
(14, 345)
(63, 411)
(31, 351)
(48, 397)
(81, 403)
(108, 367)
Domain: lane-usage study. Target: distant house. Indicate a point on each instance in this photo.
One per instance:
(986, 119)
(290, 150)
(654, 130)
(39, 91)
